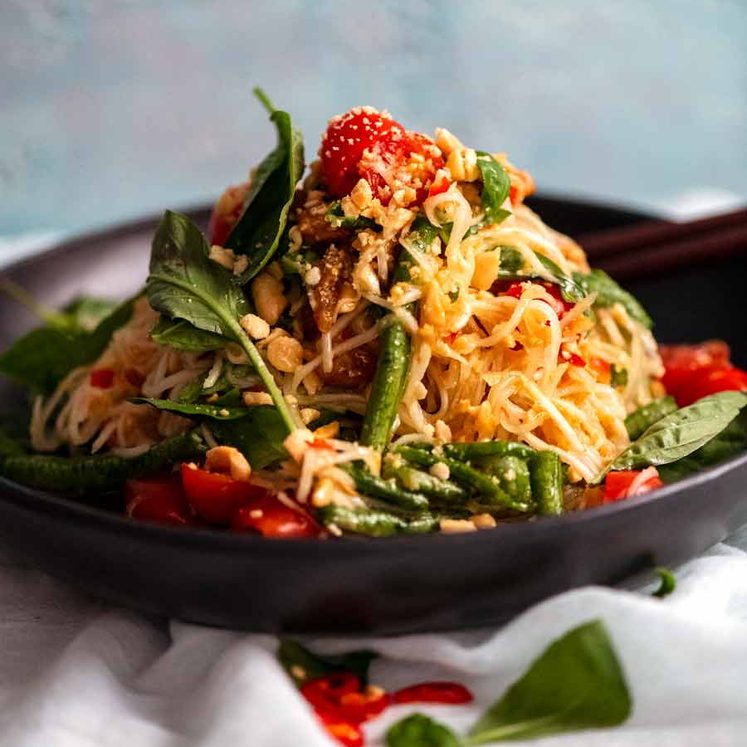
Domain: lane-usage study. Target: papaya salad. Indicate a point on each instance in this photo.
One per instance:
(389, 341)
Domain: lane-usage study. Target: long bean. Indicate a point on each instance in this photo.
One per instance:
(487, 489)
(512, 474)
(546, 474)
(386, 490)
(374, 523)
(479, 450)
(443, 491)
(98, 472)
(393, 365)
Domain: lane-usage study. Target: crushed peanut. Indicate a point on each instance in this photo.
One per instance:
(269, 299)
(256, 327)
(285, 353)
(229, 460)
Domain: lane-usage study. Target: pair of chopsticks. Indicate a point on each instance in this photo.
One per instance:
(652, 247)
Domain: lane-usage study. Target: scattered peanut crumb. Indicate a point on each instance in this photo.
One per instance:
(455, 526)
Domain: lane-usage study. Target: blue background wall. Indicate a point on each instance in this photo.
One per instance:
(109, 109)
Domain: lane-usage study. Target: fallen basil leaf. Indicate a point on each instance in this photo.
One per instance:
(609, 293)
(496, 186)
(667, 583)
(258, 231)
(420, 731)
(577, 683)
(682, 432)
(302, 665)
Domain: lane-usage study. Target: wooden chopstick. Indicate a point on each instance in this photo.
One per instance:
(656, 246)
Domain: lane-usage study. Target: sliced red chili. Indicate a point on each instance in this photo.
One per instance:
(434, 692)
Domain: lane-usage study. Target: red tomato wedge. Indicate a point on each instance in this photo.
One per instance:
(227, 212)
(217, 497)
(692, 372)
(270, 517)
(159, 499)
(626, 483)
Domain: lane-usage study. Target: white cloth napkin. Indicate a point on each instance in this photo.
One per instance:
(74, 673)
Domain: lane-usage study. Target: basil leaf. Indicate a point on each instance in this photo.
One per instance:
(512, 260)
(87, 312)
(258, 231)
(420, 731)
(571, 290)
(729, 443)
(42, 358)
(194, 409)
(185, 284)
(178, 333)
(667, 583)
(259, 435)
(495, 187)
(682, 432)
(577, 683)
(302, 665)
(609, 293)
(618, 376)
(639, 420)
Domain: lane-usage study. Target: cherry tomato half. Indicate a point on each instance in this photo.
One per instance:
(215, 496)
(270, 517)
(692, 372)
(160, 499)
(227, 212)
(101, 378)
(617, 484)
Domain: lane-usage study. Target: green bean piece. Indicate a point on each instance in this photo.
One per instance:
(639, 421)
(546, 473)
(393, 365)
(485, 488)
(512, 474)
(425, 483)
(385, 490)
(375, 523)
(388, 385)
(478, 450)
(101, 471)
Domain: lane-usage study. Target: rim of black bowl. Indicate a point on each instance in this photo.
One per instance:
(69, 507)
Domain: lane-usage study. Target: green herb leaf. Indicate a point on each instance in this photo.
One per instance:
(420, 731)
(185, 284)
(302, 665)
(667, 583)
(337, 219)
(609, 293)
(258, 231)
(682, 432)
(570, 289)
(180, 334)
(618, 376)
(512, 260)
(87, 312)
(259, 435)
(729, 443)
(577, 683)
(495, 189)
(215, 411)
(639, 420)
(42, 358)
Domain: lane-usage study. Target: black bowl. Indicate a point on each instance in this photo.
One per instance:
(385, 586)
